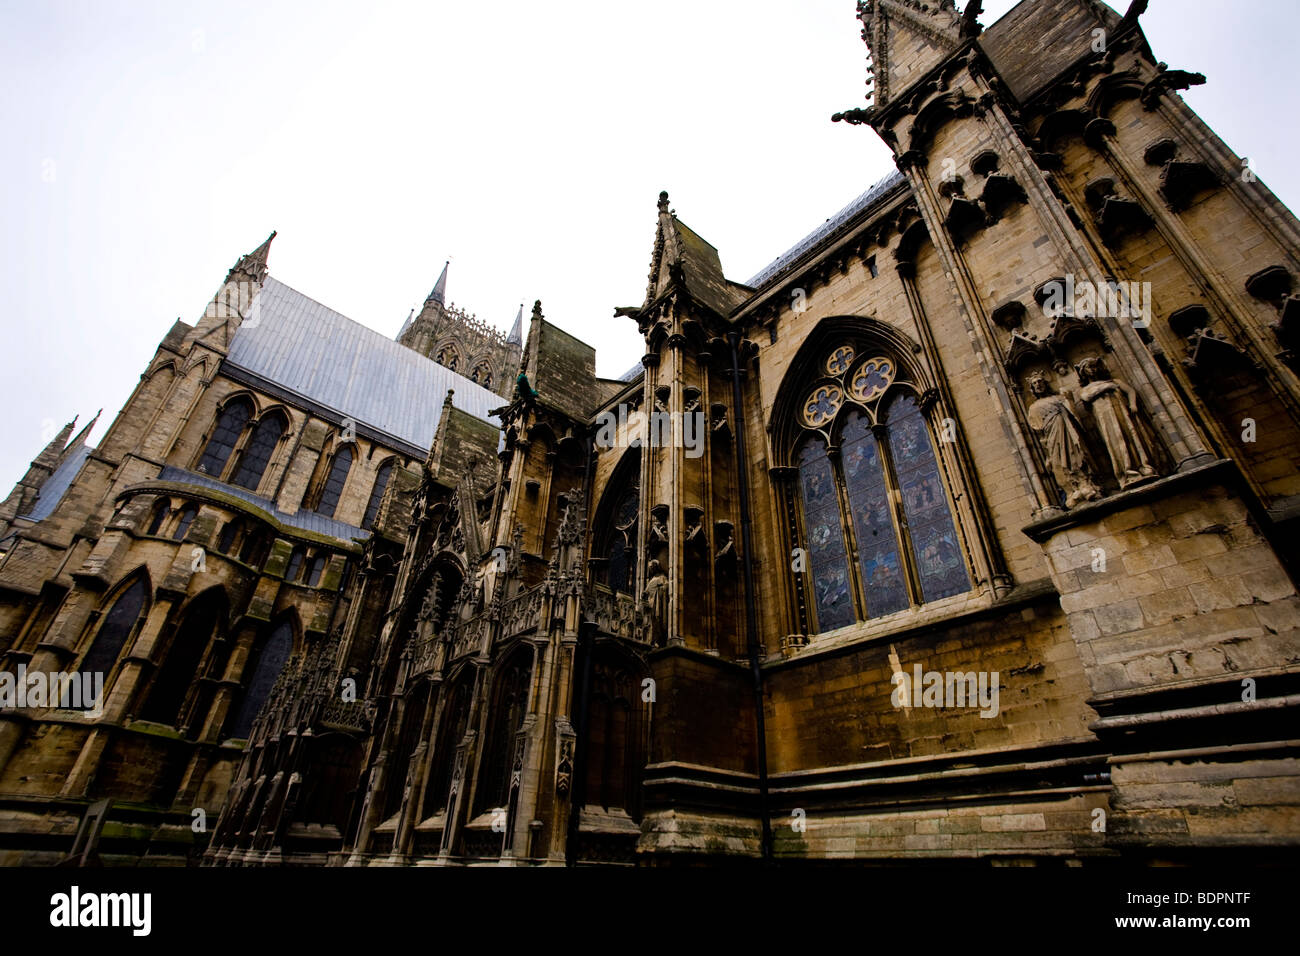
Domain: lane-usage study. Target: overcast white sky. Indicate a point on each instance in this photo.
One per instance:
(149, 144)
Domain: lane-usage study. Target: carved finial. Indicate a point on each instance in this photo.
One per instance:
(447, 401)
(663, 201)
(537, 310)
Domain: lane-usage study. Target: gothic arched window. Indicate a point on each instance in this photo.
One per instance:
(877, 523)
(117, 627)
(333, 488)
(203, 623)
(230, 425)
(511, 706)
(253, 462)
(264, 664)
(482, 374)
(451, 729)
(620, 509)
(377, 493)
(449, 357)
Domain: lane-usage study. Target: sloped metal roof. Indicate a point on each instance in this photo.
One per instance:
(312, 351)
(56, 485)
(826, 229)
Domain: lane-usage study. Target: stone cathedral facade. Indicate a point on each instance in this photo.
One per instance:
(971, 533)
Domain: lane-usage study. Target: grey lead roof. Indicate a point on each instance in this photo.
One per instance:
(306, 520)
(831, 225)
(54, 487)
(314, 352)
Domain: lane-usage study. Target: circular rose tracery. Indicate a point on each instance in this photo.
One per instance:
(871, 379)
(839, 360)
(822, 405)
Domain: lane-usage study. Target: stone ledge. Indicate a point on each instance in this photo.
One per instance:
(1176, 483)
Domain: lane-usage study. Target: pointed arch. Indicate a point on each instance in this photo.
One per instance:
(266, 436)
(200, 623)
(509, 696)
(617, 520)
(448, 355)
(233, 416)
(128, 606)
(383, 474)
(872, 509)
(336, 476)
(271, 652)
(865, 335)
(452, 725)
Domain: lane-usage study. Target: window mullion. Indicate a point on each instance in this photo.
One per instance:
(846, 529)
(902, 532)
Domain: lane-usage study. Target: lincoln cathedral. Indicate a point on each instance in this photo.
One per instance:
(982, 549)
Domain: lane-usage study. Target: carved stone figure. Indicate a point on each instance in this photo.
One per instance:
(656, 596)
(1115, 409)
(1052, 418)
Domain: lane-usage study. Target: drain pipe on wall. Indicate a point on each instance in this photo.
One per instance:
(751, 613)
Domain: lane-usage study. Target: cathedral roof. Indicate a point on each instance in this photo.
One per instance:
(313, 353)
(54, 487)
(831, 226)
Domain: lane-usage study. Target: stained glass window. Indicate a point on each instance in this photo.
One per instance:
(899, 524)
(329, 496)
(822, 405)
(258, 453)
(826, 554)
(883, 580)
(230, 425)
(839, 360)
(939, 562)
(870, 379)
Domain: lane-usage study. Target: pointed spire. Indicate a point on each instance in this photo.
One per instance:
(51, 453)
(405, 325)
(254, 264)
(83, 434)
(516, 336)
(439, 293)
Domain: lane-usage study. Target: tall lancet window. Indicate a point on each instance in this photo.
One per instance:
(334, 482)
(252, 464)
(877, 522)
(225, 436)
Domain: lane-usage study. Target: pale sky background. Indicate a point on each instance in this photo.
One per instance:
(149, 144)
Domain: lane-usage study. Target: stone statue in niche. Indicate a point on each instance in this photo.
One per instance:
(656, 596)
(1115, 409)
(1052, 418)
